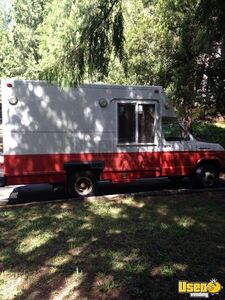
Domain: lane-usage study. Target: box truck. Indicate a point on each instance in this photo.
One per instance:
(97, 132)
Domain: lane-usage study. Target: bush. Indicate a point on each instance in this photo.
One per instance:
(209, 132)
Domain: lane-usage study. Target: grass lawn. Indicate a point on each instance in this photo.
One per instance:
(126, 248)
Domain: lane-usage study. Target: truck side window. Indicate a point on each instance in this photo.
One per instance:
(172, 132)
(136, 123)
(146, 123)
(126, 123)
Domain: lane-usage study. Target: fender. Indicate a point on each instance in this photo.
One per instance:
(211, 159)
(95, 166)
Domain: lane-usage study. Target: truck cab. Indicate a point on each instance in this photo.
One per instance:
(208, 157)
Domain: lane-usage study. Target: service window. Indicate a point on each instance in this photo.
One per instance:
(136, 123)
(145, 123)
(126, 123)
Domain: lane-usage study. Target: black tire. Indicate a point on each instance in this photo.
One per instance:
(82, 184)
(207, 175)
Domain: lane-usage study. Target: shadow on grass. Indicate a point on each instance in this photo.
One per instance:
(121, 249)
(41, 192)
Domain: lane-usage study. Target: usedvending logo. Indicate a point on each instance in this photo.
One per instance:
(199, 289)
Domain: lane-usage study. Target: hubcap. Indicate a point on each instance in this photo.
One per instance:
(83, 186)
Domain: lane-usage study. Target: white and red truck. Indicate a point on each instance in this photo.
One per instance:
(97, 132)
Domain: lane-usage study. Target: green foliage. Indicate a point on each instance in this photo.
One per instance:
(3, 38)
(209, 132)
(59, 47)
(78, 40)
(177, 44)
(20, 52)
(180, 41)
(212, 15)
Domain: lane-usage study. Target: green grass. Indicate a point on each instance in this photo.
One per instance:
(126, 248)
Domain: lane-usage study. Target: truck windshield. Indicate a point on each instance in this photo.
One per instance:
(172, 131)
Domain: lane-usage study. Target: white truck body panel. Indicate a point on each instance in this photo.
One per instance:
(47, 119)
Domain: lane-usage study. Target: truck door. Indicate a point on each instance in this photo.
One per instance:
(177, 146)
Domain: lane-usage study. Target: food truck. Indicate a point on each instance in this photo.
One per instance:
(97, 132)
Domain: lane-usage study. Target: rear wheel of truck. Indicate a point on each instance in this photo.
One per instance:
(82, 184)
(207, 175)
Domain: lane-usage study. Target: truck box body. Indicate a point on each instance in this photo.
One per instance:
(117, 130)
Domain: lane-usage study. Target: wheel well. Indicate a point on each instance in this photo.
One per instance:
(213, 162)
(96, 173)
(95, 167)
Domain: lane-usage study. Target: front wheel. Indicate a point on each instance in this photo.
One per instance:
(207, 175)
(82, 184)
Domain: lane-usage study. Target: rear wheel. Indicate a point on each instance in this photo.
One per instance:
(207, 175)
(82, 184)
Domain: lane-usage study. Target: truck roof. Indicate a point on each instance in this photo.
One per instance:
(88, 85)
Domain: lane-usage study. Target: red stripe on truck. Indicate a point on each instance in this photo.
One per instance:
(119, 167)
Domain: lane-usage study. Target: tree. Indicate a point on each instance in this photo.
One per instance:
(3, 39)
(21, 48)
(78, 39)
(177, 44)
(212, 16)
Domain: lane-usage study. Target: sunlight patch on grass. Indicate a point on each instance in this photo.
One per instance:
(8, 214)
(69, 288)
(220, 124)
(135, 267)
(11, 284)
(77, 250)
(162, 210)
(133, 255)
(168, 270)
(124, 248)
(63, 215)
(164, 226)
(136, 204)
(173, 269)
(33, 241)
(59, 260)
(129, 201)
(86, 226)
(105, 283)
(4, 254)
(118, 265)
(106, 210)
(180, 267)
(114, 231)
(117, 259)
(184, 222)
(67, 205)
